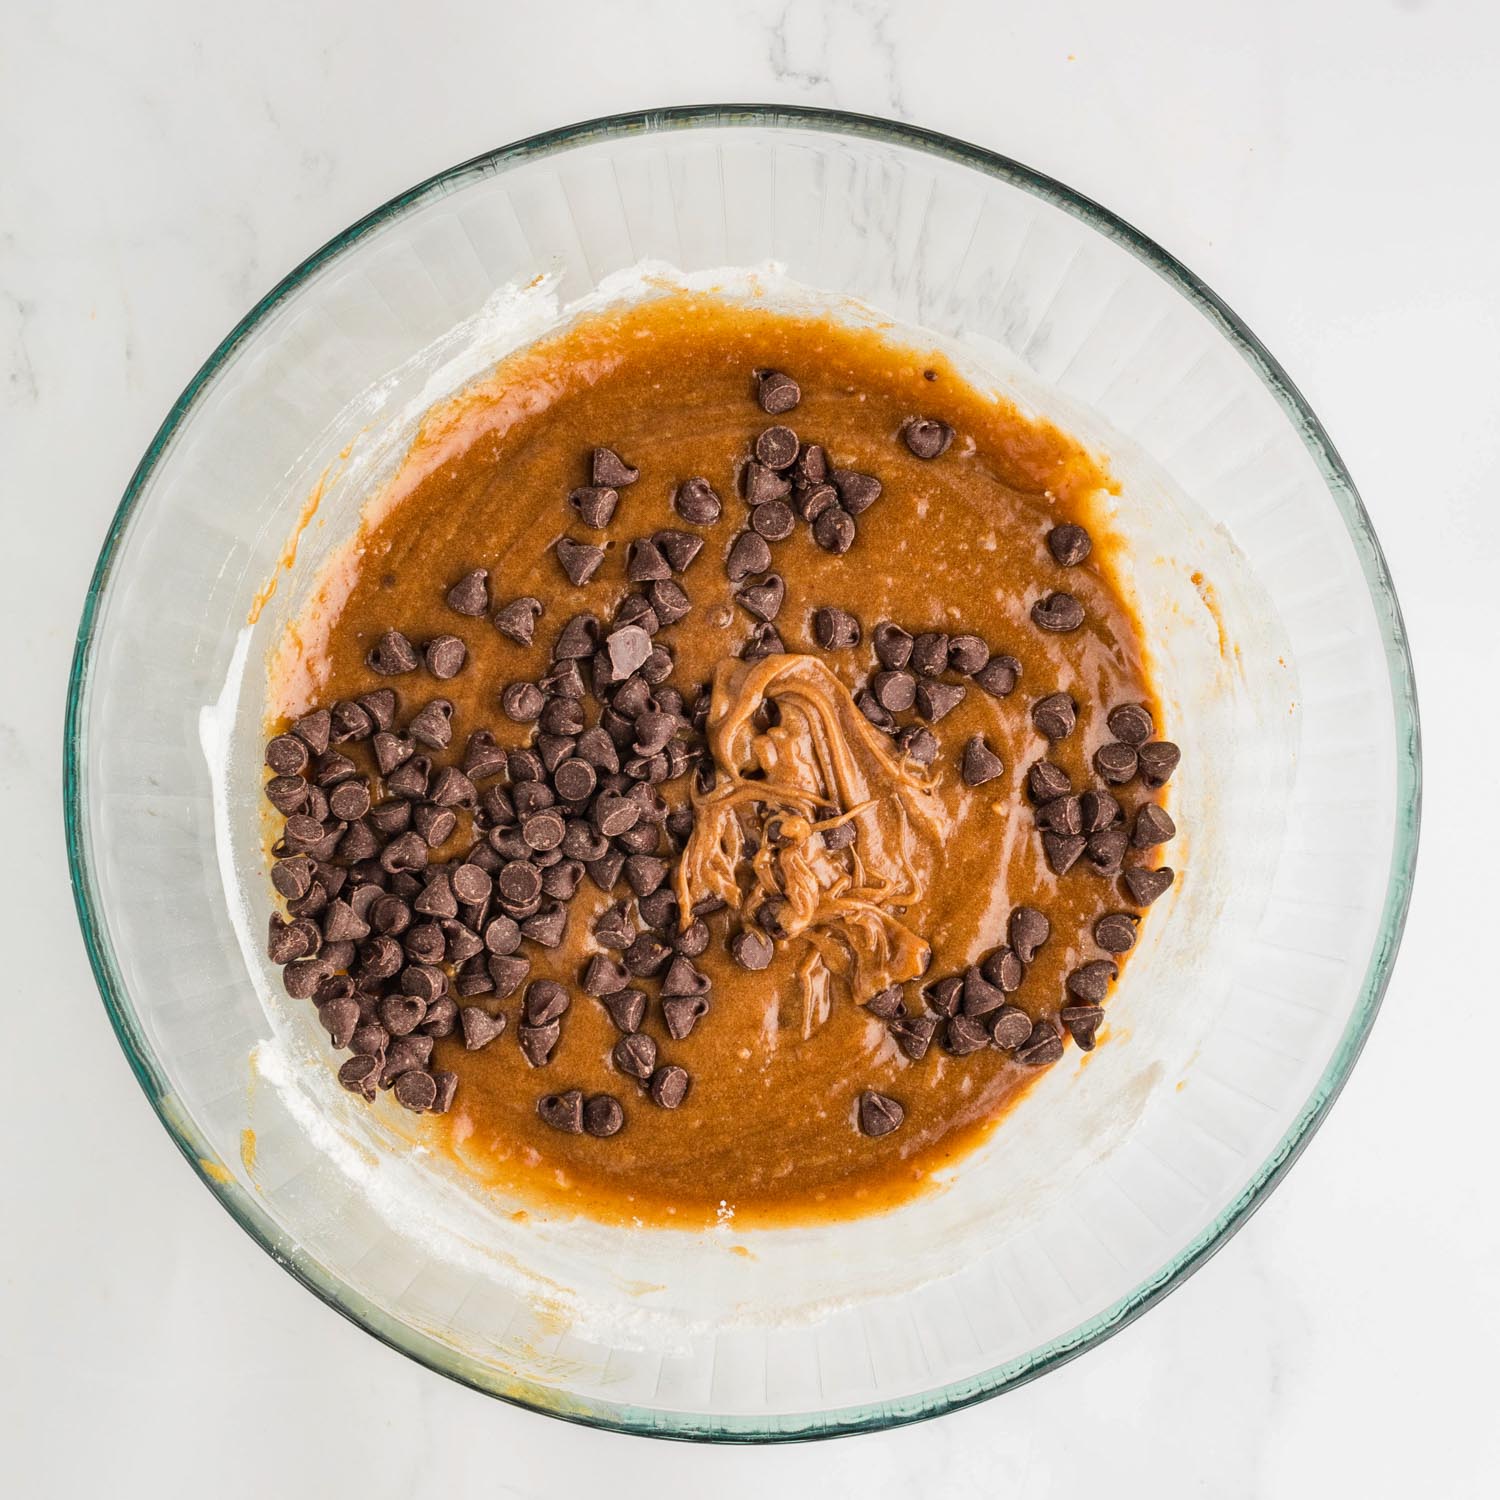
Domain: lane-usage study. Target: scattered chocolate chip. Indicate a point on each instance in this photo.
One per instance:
(1009, 1027)
(1090, 982)
(980, 996)
(635, 1055)
(578, 560)
(1083, 1023)
(670, 601)
(857, 492)
(471, 594)
(913, 1035)
(1003, 969)
(835, 629)
(1098, 811)
(603, 1116)
(964, 1035)
(1115, 932)
(1069, 545)
(751, 949)
(980, 764)
(1061, 815)
(834, 530)
(669, 1086)
(936, 700)
(682, 1013)
(393, 655)
(433, 724)
(945, 995)
(887, 1003)
(563, 1111)
(1152, 827)
(1131, 723)
(1057, 613)
(748, 554)
(1116, 762)
(1105, 851)
(604, 976)
(518, 619)
(287, 755)
(697, 502)
(878, 1114)
(1043, 1046)
(606, 467)
(763, 600)
(919, 744)
(1145, 886)
(894, 691)
(773, 520)
(445, 656)
(683, 978)
(927, 437)
(868, 705)
(762, 484)
(1055, 716)
(314, 729)
(814, 500)
(522, 702)
(777, 447)
(777, 393)
(538, 1043)
(359, 1075)
(999, 676)
(507, 972)
(1062, 850)
(1158, 759)
(1028, 929)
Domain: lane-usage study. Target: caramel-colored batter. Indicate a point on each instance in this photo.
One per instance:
(957, 544)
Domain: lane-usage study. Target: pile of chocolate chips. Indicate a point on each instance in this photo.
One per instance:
(388, 943)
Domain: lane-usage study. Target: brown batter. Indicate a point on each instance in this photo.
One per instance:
(955, 544)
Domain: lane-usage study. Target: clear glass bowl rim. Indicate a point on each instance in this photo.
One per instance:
(324, 1283)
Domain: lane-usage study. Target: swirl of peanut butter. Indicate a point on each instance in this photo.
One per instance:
(782, 779)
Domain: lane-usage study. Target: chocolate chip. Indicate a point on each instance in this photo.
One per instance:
(964, 1035)
(980, 764)
(1069, 545)
(547, 926)
(1158, 759)
(287, 755)
(880, 717)
(691, 941)
(669, 1086)
(635, 1055)
(857, 492)
(1116, 762)
(999, 676)
(1004, 970)
(645, 562)
(936, 700)
(1105, 851)
(561, 716)
(1009, 1027)
(433, 724)
(980, 996)
(1083, 1023)
(670, 601)
(887, 1003)
(517, 620)
(613, 815)
(402, 1014)
(314, 729)
(751, 949)
(763, 600)
(1043, 1046)
(812, 465)
(929, 653)
(437, 898)
(603, 1116)
(445, 656)
(773, 520)
(878, 1114)
(1028, 929)
(777, 447)
(333, 767)
(945, 995)
(405, 1054)
(913, 1035)
(762, 484)
(471, 594)
(919, 744)
(835, 629)
(292, 877)
(522, 702)
(434, 825)
(894, 691)
(893, 645)
(1097, 811)
(644, 873)
(697, 502)
(507, 972)
(927, 437)
(647, 955)
(604, 976)
(1062, 850)
(814, 500)
(380, 705)
(546, 1001)
(451, 788)
(594, 504)
(1131, 723)
(683, 978)
(287, 940)
(1090, 982)
(393, 655)
(392, 750)
(1152, 827)
(359, 1075)
(578, 560)
(416, 1090)
(340, 925)
(605, 871)
(834, 530)
(538, 1043)
(1115, 932)
(606, 467)
(287, 794)
(777, 393)
(390, 915)
(1145, 886)
(349, 802)
(518, 882)
(967, 654)
(1061, 815)
(682, 1013)
(1057, 613)
(1055, 716)
(563, 1111)
(748, 554)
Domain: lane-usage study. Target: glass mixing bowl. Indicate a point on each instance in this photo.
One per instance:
(1276, 639)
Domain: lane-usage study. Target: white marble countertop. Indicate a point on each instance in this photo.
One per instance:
(1328, 168)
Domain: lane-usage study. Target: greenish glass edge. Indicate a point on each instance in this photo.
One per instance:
(689, 1426)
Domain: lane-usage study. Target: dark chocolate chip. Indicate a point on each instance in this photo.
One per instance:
(602, 1116)
(697, 502)
(538, 1043)
(812, 465)
(980, 996)
(393, 655)
(1152, 827)
(635, 1055)
(762, 484)
(936, 700)
(1009, 1027)
(748, 554)
(546, 1001)
(887, 1003)
(878, 1114)
(834, 530)
(1057, 613)
(894, 691)
(1116, 762)
(927, 437)
(913, 1034)
(607, 467)
(835, 629)
(349, 802)
(359, 1075)
(919, 744)
(893, 645)
(578, 560)
(1046, 781)
(445, 656)
(1055, 716)
(857, 492)
(1069, 545)
(999, 676)
(1098, 811)
(682, 1013)
(1115, 932)
(562, 1112)
(1158, 759)
(773, 520)
(945, 995)
(1028, 930)
(980, 764)
(669, 600)
(669, 1086)
(645, 562)
(287, 755)
(1003, 969)
(594, 504)
(814, 500)
(1083, 1023)
(471, 594)
(763, 600)
(1062, 850)
(1105, 851)
(433, 724)
(929, 653)
(1090, 982)
(547, 926)
(777, 447)
(451, 788)
(507, 972)
(684, 978)
(517, 620)
(604, 976)
(1043, 1046)
(967, 654)
(777, 393)
(314, 730)
(1131, 723)
(1145, 886)
(880, 717)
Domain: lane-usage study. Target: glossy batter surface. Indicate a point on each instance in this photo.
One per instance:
(956, 543)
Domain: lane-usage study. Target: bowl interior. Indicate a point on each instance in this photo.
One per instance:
(1276, 644)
